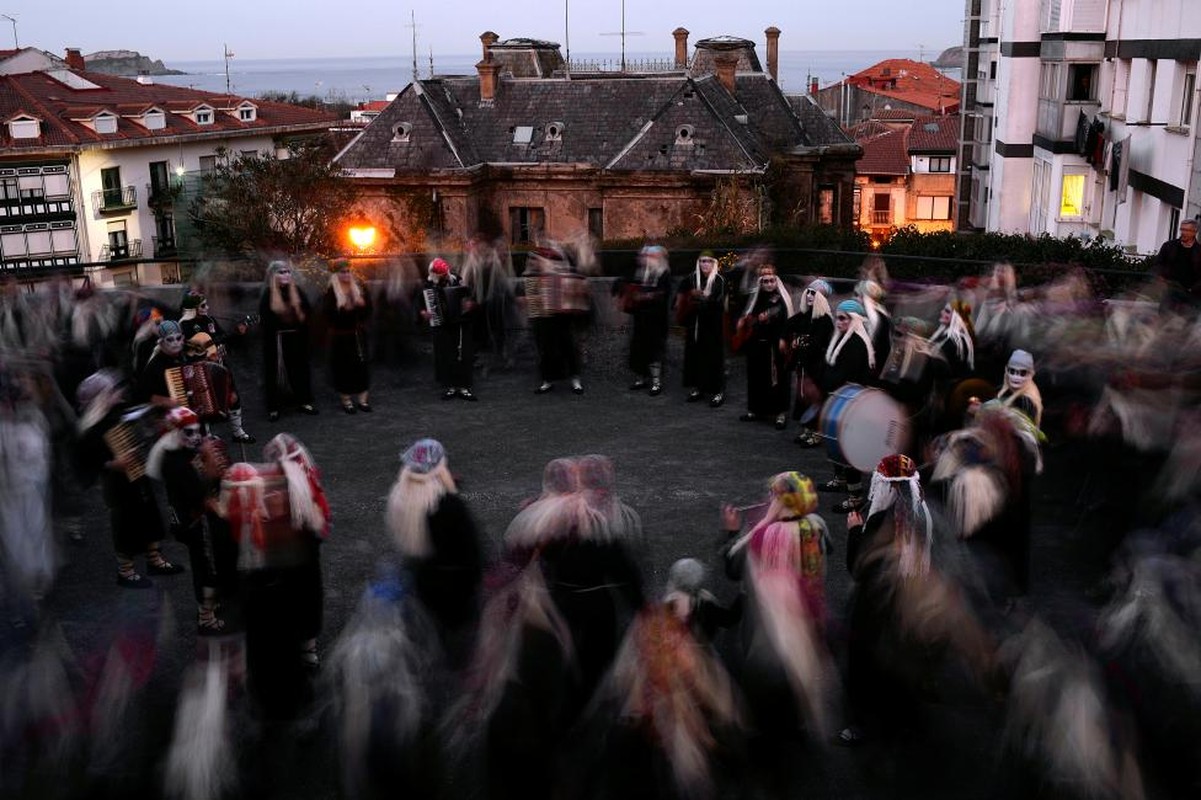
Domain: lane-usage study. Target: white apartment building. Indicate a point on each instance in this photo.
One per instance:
(1080, 118)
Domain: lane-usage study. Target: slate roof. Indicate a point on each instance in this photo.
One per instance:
(60, 107)
(619, 122)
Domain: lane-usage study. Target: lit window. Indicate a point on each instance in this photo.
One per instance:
(940, 164)
(934, 208)
(1071, 201)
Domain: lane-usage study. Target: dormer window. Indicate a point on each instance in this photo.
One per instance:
(24, 128)
(154, 120)
(104, 123)
(554, 132)
(684, 134)
(203, 116)
(247, 113)
(401, 131)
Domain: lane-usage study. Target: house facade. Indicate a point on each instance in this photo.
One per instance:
(907, 175)
(1081, 118)
(91, 165)
(895, 84)
(534, 147)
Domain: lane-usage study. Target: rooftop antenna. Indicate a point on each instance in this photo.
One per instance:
(623, 33)
(921, 53)
(566, 30)
(228, 56)
(14, 22)
(413, 24)
(431, 61)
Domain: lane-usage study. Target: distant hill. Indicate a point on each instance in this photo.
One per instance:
(951, 57)
(126, 62)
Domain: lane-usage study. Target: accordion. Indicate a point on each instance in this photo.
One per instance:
(556, 293)
(203, 387)
(131, 438)
(445, 304)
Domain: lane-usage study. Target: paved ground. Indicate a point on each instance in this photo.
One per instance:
(676, 463)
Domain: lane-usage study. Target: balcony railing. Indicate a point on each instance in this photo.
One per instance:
(1057, 118)
(164, 194)
(162, 247)
(882, 217)
(110, 252)
(123, 198)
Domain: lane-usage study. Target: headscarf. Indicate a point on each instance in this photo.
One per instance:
(1007, 396)
(654, 264)
(896, 485)
(854, 309)
(781, 289)
(306, 497)
(423, 480)
(821, 302)
(705, 282)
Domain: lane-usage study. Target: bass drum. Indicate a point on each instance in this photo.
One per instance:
(862, 426)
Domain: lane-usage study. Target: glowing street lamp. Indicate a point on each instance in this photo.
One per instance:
(361, 237)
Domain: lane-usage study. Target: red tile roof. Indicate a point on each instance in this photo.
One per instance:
(59, 105)
(374, 105)
(884, 155)
(934, 134)
(910, 81)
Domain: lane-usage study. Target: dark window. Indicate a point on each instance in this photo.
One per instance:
(8, 189)
(118, 244)
(208, 165)
(992, 70)
(110, 182)
(159, 182)
(526, 224)
(596, 223)
(1082, 82)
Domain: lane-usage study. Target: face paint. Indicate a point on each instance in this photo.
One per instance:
(191, 436)
(842, 322)
(1017, 377)
(172, 344)
(944, 318)
(284, 276)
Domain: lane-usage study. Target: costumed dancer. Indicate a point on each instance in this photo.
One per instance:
(700, 309)
(646, 300)
(488, 273)
(205, 336)
(447, 307)
(347, 310)
(552, 327)
(902, 609)
(811, 327)
(953, 345)
(190, 469)
(436, 537)
(761, 329)
(782, 560)
(284, 312)
(850, 358)
(134, 515)
(145, 337)
(1019, 390)
(279, 517)
(877, 319)
(152, 382)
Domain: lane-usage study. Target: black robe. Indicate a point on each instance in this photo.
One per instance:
(286, 367)
(348, 358)
(704, 334)
(767, 389)
(649, 319)
(454, 345)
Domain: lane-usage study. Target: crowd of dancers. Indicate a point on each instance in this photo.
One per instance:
(553, 669)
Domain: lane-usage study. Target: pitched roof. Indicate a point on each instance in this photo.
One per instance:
(884, 155)
(909, 81)
(61, 105)
(618, 121)
(938, 134)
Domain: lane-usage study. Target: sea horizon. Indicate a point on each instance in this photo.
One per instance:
(358, 79)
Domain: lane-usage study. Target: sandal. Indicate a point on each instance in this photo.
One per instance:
(157, 565)
(849, 736)
(348, 407)
(208, 624)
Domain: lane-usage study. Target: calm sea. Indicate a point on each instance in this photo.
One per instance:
(371, 78)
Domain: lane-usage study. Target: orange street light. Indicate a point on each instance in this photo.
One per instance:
(362, 237)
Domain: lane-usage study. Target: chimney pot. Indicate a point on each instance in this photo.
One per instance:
(488, 71)
(813, 89)
(488, 38)
(725, 64)
(681, 37)
(75, 59)
(773, 52)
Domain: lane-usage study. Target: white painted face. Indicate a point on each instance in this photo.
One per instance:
(944, 318)
(768, 282)
(1017, 377)
(172, 344)
(190, 434)
(842, 321)
(284, 276)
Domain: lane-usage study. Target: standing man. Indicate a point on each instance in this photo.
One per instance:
(1178, 267)
(700, 308)
(646, 301)
(447, 308)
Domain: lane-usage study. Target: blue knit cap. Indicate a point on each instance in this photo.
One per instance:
(822, 286)
(423, 456)
(852, 307)
(168, 327)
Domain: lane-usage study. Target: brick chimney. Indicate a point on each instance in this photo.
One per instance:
(681, 36)
(488, 38)
(488, 71)
(75, 59)
(773, 52)
(813, 89)
(725, 64)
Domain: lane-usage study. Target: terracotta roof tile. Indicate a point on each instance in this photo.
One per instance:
(934, 134)
(884, 155)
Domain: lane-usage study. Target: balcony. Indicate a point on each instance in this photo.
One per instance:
(159, 195)
(110, 252)
(882, 217)
(1057, 118)
(116, 200)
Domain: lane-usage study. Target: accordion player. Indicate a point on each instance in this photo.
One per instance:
(203, 387)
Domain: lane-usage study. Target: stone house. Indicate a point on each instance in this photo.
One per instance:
(533, 146)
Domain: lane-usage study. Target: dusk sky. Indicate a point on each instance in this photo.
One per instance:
(186, 31)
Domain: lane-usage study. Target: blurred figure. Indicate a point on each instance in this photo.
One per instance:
(152, 382)
(812, 328)
(761, 334)
(877, 320)
(647, 299)
(279, 517)
(284, 312)
(448, 309)
(204, 334)
(700, 309)
(488, 273)
(437, 538)
(850, 358)
(555, 295)
(134, 515)
(347, 309)
(1019, 390)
